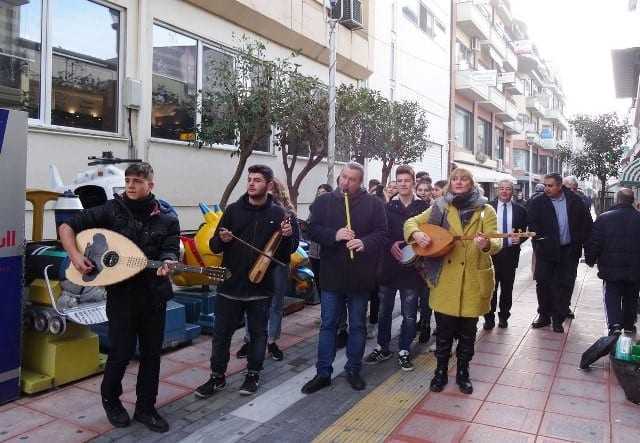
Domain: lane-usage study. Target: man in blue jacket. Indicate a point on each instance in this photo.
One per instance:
(348, 260)
(614, 246)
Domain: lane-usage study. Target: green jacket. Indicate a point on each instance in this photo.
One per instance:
(466, 282)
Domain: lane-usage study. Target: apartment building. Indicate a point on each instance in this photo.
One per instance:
(69, 64)
(509, 105)
(412, 54)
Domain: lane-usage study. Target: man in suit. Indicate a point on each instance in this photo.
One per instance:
(511, 217)
(562, 222)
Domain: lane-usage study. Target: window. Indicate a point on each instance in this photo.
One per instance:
(84, 52)
(535, 163)
(214, 64)
(427, 20)
(520, 159)
(464, 56)
(463, 129)
(500, 142)
(484, 143)
(20, 46)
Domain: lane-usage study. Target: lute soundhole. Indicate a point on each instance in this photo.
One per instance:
(111, 259)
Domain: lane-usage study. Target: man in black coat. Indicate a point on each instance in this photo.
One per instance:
(563, 224)
(511, 217)
(348, 260)
(614, 246)
(254, 218)
(135, 307)
(394, 277)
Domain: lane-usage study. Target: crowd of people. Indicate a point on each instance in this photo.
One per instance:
(364, 247)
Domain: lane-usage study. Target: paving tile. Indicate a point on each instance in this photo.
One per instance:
(93, 384)
(574, 428)
(189, 378)
(527, 380)
(480, 389)
(67, 402)
(626, 414)
(536, 366)
(544, 334)
(488, 434)
(596, 375)
(166, 394)
(484, 373)
(617, 393)
(484, 358)
(538, 354)
(510, 395)
(578, 407)
(625, 434)
(452, 406)
(543, 439)
(20, 419)
(432, 429)
(542, 343)
(495, 348)
(573, 358)
(287, 340)
(189, 355)
(57, 431)
(577, 347)
(580, 388)
(504, 339)
(509, 417)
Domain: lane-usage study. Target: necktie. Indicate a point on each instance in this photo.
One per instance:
(505, 225)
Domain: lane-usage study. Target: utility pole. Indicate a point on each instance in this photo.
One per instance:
(531, 138)
(331, 142)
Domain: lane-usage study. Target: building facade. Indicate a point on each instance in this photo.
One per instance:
(70, 64)
(509, 105)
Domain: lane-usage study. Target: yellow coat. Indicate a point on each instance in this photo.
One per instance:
(466, 282)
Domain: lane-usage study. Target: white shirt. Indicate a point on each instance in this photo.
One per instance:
(499, 210)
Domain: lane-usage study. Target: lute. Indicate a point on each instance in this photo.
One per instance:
(116, 258)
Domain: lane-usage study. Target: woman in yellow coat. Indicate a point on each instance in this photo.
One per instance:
(462, 281)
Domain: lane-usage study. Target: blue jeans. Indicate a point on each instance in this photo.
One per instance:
(332, 305)
(281, 287)
(409, 310)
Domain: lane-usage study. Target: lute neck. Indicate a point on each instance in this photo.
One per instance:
(178, 267)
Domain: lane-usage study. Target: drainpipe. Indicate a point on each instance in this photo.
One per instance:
(452, 86)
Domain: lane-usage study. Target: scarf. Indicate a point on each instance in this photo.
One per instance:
(141, 209)
(430, 268)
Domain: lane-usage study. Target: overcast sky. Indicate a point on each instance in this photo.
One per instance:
(578, 36)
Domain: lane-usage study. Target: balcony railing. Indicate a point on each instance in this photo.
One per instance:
(495, 102)
(556, 116)
(535, 104)
(513, 127)
(475, 84)
(473, 19)
(510, 112)
(497, 41)
(512, 83)
(511, 59)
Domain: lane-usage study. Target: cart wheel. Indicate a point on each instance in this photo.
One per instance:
(40, 322)
(57, 325)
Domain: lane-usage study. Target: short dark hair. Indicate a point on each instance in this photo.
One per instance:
(440, 184)
(373, 182)
(421, 175)
(424, 182)
(406, 169)
(625, 196)
(326, 187)
(264, 170)
(555, 176)
(140, 169)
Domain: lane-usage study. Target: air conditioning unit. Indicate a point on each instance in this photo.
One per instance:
(500, 164)
(351, 13)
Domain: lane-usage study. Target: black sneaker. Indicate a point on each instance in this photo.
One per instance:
(214, 384)
(571, 314)
(341, 339)
(502, 324)
(315, 384)
(377, 356)
(116, 413)
(243, 351)
(356, 381)
(250, 385)
(425, 335)
(275, 352)
(405, 362)
(151, 419)
(489, 324)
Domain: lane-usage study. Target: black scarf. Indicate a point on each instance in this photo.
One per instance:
(141, 209)
(466, 203)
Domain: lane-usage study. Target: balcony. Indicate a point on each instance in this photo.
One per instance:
(473, 19)
(510, 59)
(556, 116)
(510, 112)
(504, 10)
(496, 101)
(534, 104)
(513, 127)
(474, 85)
(512, 83)
(527, 58)
(547, 139)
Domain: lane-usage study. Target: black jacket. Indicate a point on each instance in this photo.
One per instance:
(615, 244)
(255, 225)
(391, 272)
(337, 271)
(543, 221)
(518, 223)
(158, 237)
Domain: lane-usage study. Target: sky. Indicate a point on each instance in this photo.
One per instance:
(577, 36)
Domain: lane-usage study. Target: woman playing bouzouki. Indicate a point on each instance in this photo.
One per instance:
(461, 281)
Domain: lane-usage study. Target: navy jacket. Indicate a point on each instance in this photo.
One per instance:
(615, 244)
(337, 271)
(391, 272)
(543, 221)
(518, 222)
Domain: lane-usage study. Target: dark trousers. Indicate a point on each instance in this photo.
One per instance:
(374, 306)
(228, 315)
(554, 283)
(621, 300)
(505, 274)
(134, 318)
(424, 309)
(464, 328)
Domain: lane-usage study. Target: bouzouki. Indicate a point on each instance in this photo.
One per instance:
(116, 258)
(442, 242)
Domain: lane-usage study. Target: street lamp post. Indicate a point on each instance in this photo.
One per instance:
(531, 137)
(331, 142)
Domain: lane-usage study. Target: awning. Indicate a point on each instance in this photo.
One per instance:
(631, 174)
(487, 175)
